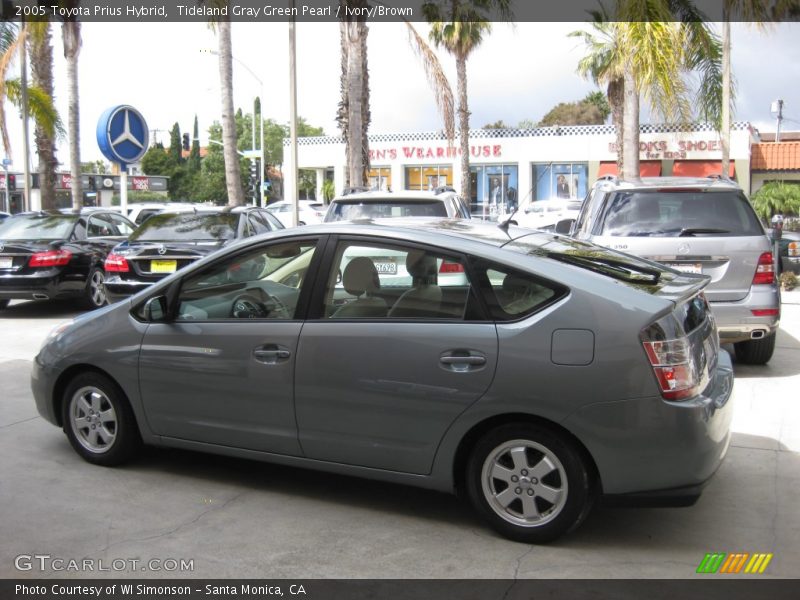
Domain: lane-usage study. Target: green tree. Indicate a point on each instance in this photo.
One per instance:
(459, 26)
(583, 112)
(777, 198)
(194, 155)
(176, 145)
(496, 125)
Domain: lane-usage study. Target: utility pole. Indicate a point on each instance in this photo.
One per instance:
(777, 109)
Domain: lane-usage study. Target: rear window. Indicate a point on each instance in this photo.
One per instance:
(679, 213)
(49, 227)
(187, 226)
(356, 209)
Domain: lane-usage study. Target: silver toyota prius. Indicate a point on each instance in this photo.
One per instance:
(531, 372)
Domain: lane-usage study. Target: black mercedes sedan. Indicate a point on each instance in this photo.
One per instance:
(53, 255)
(171, 240)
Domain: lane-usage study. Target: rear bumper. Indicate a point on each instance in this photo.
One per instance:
(735, 320)
(652, 448)
(119, 289)
(40, 286)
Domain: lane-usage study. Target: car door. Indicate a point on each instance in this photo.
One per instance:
(220, 368)
(382, 375)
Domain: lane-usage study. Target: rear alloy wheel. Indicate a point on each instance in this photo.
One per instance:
(755, 352)
(98, 420)
(530, 483)
(95, 295)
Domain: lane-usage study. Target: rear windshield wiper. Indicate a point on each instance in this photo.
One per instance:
(609, 266)
(687, 231)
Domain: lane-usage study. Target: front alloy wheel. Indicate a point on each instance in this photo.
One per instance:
(98, 420)
(530, 482)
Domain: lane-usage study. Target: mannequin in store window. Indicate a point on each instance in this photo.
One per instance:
(562, 187)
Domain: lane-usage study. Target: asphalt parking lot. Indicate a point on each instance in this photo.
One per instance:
(236, 518)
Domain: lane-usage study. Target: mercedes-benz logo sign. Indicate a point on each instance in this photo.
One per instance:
(162, 250)
(122, 134)
(684, 248)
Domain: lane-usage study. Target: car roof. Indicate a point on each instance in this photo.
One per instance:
(610, 183)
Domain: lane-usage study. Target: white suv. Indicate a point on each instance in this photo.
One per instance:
(442, 202)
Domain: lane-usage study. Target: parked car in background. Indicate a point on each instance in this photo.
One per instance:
(309, 212)
(3, 216)
(52, 255)
(544, 214)
(788, 251)
(169, 241)
(699, 226)
(442, 202)
(140, 212)
(504, 384)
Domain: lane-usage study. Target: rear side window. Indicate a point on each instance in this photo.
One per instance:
(511, 294)
(679, 213)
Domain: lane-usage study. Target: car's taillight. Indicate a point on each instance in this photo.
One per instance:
(765, 271)
(674, 368)
(451, 267)
(765, 312)
(51, 258)
(794, 249)
(116, 263)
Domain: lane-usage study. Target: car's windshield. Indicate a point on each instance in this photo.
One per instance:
(356, 209)
(679, 213)
(187, 226)
(36, 227)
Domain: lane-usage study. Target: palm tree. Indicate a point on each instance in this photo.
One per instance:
(71, 35)
(630, 50)
(40, 103)
(353, 115)
(233, 178)
(41, 52)
(459, 27)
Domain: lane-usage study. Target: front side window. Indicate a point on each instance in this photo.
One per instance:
(259, 284)
(376, 281)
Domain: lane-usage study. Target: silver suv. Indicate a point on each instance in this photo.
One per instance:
(702, 226)
(441, 202)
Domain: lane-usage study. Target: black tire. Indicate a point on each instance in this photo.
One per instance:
(4, 303)
(755, 352)
(94, 296)
(99, 421)
(557, 502)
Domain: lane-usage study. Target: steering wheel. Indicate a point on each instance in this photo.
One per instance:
(247, 306)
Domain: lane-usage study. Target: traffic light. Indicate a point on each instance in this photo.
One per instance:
(12, 181)
(185, 141)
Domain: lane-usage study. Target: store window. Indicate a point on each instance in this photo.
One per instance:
(494, 190)
(380, 179)
(427, 178)
(560, 180)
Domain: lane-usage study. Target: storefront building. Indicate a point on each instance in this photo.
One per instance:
(511, 166)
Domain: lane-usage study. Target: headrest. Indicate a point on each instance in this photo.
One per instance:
(421, 265)
(513, 284)
(360, 275)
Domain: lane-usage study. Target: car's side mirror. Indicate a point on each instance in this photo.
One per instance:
(564, 226)
(155, 309)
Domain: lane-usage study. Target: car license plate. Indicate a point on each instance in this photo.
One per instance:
(6, 262)
(163, 266)
(687, 267)
(386, 268)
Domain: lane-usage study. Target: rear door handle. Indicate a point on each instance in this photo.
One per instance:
(271, 354)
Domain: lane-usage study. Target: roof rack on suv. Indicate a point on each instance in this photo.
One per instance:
(444, 188)
(354, 189)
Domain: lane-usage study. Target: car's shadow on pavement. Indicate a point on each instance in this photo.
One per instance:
(41, 309)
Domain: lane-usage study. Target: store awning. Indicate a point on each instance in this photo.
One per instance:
(699, 168)
(647, 168)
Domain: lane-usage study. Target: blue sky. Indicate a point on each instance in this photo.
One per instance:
(520, 72)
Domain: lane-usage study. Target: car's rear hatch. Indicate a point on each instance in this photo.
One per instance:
(714, 233)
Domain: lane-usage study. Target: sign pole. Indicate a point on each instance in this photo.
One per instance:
(123, 189)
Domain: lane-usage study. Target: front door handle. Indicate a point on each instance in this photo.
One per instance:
(462, 361)
(271, 354)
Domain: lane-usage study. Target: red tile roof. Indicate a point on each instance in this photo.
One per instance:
(781, 156)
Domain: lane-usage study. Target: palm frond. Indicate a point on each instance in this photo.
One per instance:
(40, 107)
